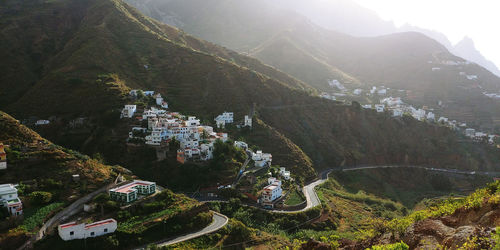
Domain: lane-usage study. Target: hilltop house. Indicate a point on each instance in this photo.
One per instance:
(240, 144)
(380, 108)
(128, 111)
(262, 159)
(223, 119)
(3, 157)
(248, 121)
(72, 230)
(271, 192)
(431, 116)
(285, 174)
(160, 102)
(10, 199)
(129, 192)
(470, 132)
(397, 112)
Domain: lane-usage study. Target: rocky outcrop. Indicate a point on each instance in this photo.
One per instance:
(451, 232)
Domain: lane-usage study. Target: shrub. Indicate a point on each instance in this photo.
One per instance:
(396, 246)
(40, 197)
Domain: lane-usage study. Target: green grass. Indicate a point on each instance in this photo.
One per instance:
(294, 198)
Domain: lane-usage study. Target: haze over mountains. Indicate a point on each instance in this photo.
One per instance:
(351, 18)
(295, 45)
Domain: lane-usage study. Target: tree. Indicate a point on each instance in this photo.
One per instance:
(101, 200)
(40, 197)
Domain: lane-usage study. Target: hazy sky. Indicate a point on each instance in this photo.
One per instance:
(478, 19)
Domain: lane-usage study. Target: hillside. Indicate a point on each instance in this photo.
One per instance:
(43, 169)
(105, 55)
(290, 42)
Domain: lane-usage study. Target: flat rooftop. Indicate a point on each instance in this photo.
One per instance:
(128, 187)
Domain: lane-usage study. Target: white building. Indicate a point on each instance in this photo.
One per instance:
(357, 91)
(42, 122)
(431, 116)
(380, 108)
(248, 121)
(129, 111)
(262, 159)
(392, 101)
(382, 92)
(10, 199)
(285, 174)
(470, 132)
(72, 230)
(442, 120)
(397, 112)
(471, 77)
(149, 93)
(224, 118)
(436, 69)
(271, 192)
(367, 106)
(240, 144)
(418, 114)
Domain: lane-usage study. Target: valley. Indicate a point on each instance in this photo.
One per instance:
(121, 131)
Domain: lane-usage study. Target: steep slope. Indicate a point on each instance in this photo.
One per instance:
(111, 37)
(293, 44)
(30, 157)
(466, 49)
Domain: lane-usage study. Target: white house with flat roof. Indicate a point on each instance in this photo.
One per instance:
(224, 118)
(73, 230)
(271, 192)
(128, 111)
(130, 192)
(10, 199)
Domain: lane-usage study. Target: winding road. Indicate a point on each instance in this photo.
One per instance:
(219, 221)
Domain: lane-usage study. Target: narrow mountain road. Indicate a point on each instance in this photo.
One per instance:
(312, 199)
(219, 221)
(453, 171)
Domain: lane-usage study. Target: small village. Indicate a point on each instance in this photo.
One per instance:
(196, 143)
(397, 108)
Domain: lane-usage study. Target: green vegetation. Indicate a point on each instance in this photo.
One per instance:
(408, 185)
(40, 216)
(489, 195)
(294, 198)
(40, 197)
(395, 246)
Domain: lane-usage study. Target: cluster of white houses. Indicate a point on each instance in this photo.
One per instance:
(196, 140)
(260, 159)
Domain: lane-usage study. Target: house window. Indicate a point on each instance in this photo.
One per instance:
(105, 230)
(92, 234)
(71, 233)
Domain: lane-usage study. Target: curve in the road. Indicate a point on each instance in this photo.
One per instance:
(219, 221)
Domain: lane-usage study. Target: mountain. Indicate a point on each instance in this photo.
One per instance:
(466, 49)
(351, 18)
(100, 52)
(295, 45)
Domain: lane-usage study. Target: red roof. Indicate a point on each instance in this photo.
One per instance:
(99, 223)
(68, 224)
